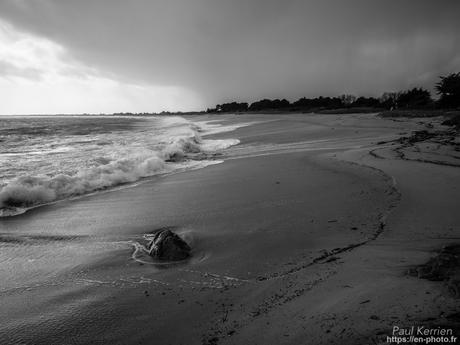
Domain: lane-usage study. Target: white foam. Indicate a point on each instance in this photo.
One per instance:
(85, 166)
(209, 127)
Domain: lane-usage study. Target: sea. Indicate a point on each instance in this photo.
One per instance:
(45, 159)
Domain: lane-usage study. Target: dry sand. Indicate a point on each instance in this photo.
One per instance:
(303, 235)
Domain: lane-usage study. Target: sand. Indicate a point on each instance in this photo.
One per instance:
(303, 235)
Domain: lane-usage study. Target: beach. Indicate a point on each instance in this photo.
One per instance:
(303, 234)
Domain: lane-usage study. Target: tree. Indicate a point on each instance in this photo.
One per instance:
(265, 104)
(347, 99)
(319, 102)
(232, 107)
(365, 102)
(415, 98)
(389, 100)
(449, 89)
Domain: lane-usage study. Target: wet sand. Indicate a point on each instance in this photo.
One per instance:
(303, 235)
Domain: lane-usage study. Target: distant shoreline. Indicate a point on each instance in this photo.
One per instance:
(406, 112)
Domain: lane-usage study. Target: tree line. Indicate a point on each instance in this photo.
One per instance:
(448, 89)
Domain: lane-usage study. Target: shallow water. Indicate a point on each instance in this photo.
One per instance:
(49, 158)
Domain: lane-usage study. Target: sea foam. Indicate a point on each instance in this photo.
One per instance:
(70, 164)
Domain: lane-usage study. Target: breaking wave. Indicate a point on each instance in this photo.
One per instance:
(70, 165)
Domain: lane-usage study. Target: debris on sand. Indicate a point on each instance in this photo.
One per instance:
(418, 136)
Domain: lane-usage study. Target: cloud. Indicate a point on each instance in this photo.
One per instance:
(38, 75)
(248, 49)
(34, 58)
(8, 69)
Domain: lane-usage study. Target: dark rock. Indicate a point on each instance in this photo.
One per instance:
(453, 286)
(441, 267)
(445, 266)
(453, 121)
(166, 245)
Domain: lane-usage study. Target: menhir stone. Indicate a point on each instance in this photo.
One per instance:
(166, 245)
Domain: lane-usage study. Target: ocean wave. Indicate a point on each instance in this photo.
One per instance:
(27, 191)
(176, 141)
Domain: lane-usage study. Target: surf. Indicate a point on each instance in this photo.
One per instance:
(81, 159)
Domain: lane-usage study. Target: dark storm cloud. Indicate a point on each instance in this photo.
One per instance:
(246, 49)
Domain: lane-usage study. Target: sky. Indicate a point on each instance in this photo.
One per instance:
(104, 56)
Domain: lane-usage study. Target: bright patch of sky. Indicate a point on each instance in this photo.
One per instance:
(38, 76)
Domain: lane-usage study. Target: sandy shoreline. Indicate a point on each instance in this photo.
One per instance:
(300, 237)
